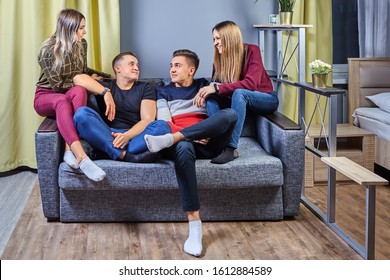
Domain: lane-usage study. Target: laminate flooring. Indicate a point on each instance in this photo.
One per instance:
(303, 237)
(15, 188)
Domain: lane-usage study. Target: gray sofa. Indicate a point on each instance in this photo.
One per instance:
(264, 183)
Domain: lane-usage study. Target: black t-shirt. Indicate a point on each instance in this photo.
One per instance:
(128, 103)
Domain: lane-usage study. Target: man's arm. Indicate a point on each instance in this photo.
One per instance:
(148, 114)
(163, 112)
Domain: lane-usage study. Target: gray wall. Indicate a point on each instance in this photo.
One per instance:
(153, 29)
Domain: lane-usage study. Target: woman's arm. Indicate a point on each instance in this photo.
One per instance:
(254, 74)
(96, 88)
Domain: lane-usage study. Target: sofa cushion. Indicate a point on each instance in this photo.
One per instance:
(254, 168)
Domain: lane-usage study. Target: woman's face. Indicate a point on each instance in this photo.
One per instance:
(217, 41)
(81, 31)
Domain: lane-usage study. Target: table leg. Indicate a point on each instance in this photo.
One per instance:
(332, 134)
(370, 222)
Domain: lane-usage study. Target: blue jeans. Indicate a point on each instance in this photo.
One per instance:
(97, 133)
(218, 128)
(259, 102)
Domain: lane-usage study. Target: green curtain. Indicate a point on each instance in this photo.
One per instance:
(24, 25)
(318, 46)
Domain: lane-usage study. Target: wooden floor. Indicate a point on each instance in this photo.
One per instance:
(304, 237)
(351, 210)
(15, 188)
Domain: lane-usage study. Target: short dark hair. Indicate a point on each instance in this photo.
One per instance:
(119, 58)
(191, 56)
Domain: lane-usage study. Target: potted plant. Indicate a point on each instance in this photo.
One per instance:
(286, 11)
(319, 71)
(286, 5)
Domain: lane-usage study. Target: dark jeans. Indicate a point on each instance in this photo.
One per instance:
(218, 128)
(97, 133)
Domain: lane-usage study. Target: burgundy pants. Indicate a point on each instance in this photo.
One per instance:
(62, 106)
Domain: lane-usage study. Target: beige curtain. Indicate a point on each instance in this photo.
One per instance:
(318, 46)
(24, 25)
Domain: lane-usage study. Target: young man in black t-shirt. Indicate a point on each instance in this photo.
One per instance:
(122, 137)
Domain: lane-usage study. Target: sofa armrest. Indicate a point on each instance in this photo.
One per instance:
(289, 146)
(48, 125)
(282, 121)
(49, 147)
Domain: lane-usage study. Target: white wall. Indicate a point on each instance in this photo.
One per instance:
(153, 29)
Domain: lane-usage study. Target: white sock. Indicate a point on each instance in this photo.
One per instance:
(193, 244)
(70, 159)
(91, 170)
(157, 143)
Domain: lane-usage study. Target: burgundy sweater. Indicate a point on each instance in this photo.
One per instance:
(253, 76)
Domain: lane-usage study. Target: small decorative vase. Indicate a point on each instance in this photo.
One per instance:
(285, 18)
(320, 80)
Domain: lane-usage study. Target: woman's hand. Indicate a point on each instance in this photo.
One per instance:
(120, 141)
(201, 96)
(198, 101)
(110, 106)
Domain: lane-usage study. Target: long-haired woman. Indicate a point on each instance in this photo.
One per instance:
(63, 56)
(239, 81)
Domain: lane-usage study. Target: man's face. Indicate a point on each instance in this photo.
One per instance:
(128, 68)
(181, 72)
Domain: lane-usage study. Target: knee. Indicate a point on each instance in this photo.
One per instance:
(64, 102)
(63, 99)
(81, 115)
(239, 94)
(80, 90)
(240, 100)
(162, 127)
(80, 93)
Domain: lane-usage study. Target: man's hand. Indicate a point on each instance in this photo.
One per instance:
(110, 106)
(120, 141)
(96, 77)
(202, 141)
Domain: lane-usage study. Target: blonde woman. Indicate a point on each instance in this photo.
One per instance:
(239, 80)
(62, 57)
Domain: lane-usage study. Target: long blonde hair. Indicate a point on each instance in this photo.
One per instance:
(228, 64)
(64, 41)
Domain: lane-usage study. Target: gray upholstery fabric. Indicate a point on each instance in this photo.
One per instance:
(48, 153)
(289, 147)
(164, 205)
(242, 172)
(264, 183)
